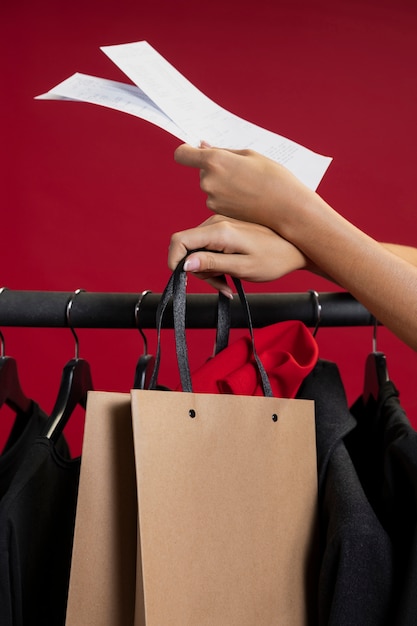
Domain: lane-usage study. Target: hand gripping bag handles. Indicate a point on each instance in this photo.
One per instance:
(227, 500)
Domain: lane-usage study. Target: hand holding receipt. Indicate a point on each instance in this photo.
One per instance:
(162, 96)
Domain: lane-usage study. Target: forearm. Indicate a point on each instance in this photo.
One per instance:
(381, 277)
(408, 253)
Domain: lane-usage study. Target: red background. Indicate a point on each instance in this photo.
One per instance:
(90, 196)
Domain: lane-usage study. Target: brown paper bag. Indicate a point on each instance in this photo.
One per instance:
(227, 496)
(102, 585)
(227, 492)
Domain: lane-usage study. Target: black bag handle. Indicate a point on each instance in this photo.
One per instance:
(176, 289)
(222, 334)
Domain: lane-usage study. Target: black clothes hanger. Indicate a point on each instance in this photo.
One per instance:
(76, 382)
(376, 371)
(11, 392)
(317, 305)
(146, 361)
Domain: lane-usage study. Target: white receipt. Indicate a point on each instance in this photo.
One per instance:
(163, 96)
(119, 96)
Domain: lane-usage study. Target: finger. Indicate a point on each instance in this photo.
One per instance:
(197, 157)
(187, 155)
(176, 251)
(241, 151)
(212, 264)
(200, 237)
(217, 282)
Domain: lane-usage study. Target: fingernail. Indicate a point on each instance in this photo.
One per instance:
(192, 264)
(227, 293)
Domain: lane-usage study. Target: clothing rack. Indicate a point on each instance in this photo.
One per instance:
(48, 309)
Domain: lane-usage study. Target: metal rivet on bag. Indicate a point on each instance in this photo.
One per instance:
(274, 417)
(191, 413)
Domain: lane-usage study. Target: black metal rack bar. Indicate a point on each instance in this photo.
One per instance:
(47, 309)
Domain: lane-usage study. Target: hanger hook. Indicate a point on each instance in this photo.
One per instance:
(374, 335)
(2, 341)
(137, 319)
(68, 317)
(318, 310)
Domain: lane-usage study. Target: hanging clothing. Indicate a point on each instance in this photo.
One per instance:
(37, 516)
(26, 427)
(356, 577)
(288, 353)
(384, 450)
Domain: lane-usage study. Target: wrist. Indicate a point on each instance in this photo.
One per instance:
(294, 217)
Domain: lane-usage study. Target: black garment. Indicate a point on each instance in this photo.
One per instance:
(384, 450)
(27, 426)
(37, 516)
(355, 581)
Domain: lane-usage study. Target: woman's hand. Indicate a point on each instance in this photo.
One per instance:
(246, 185)
(249, 251)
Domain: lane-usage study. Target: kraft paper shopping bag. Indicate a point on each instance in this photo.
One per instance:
(102, 585)
(227, 508)
(227, 499)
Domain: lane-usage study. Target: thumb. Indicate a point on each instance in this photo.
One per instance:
(209, 264)
(205, 266)
(202, 261)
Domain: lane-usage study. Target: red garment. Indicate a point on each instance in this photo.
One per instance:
(288, 352)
